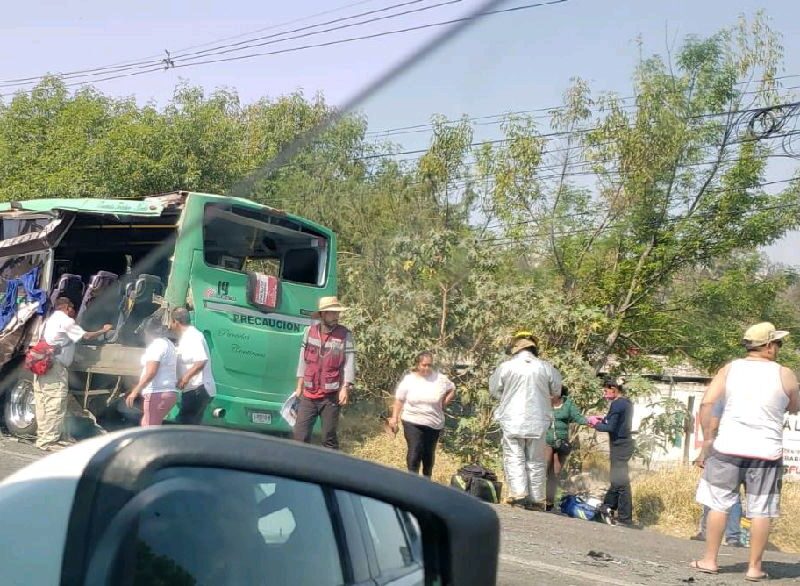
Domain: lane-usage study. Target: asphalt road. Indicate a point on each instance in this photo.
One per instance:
(543, 548)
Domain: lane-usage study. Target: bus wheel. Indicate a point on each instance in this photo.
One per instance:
(19, 411)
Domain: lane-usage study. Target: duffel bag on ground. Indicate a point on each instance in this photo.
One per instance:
(478, 481)
(580, 508)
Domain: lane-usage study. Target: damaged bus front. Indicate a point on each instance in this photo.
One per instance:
(250, 275)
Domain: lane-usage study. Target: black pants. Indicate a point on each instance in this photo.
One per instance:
(327, 409)
(619, 496)
(421, 441)
(193, 406)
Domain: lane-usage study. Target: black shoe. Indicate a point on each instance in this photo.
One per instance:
(698, 537)
(733, 543)
(629, 524)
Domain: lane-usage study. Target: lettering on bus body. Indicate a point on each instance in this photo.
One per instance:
(267, 322)
(244, 351)
(233, 335)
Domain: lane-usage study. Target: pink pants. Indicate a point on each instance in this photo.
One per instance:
(156, 406)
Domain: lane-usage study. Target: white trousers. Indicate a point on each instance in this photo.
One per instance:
(525, 467)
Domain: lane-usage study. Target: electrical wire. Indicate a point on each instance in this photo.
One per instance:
(506, 240)
(157, 58)
(142, 68)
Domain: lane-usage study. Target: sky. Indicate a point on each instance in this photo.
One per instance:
(521, 60)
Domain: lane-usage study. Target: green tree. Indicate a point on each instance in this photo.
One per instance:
(704, 311)
(638, 195)
(57, 144)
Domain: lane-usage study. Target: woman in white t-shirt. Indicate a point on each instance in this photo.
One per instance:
(419, 402)
(158, 383)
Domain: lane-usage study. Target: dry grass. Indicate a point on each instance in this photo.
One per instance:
(362, 435)
(786, 534)
(664, 500)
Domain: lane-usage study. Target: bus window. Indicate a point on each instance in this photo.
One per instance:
(13, 227)
(265, 266)
(242, 239)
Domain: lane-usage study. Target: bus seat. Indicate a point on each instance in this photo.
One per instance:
(69, 286)
(301, 265)
(100, 305)
(137, 305)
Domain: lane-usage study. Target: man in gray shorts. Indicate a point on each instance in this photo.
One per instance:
(748, 447)
(733, 530)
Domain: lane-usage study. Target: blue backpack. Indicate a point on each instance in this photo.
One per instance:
(574, 506)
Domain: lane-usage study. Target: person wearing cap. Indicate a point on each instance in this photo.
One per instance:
(748, 447)
(51, 389)
(617, 423)
(325, 373)
(525, 385)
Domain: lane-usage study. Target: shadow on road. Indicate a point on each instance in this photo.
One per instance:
(776, 569)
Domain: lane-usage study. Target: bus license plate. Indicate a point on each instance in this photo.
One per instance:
(261, 418)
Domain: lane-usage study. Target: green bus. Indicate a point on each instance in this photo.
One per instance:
(250, 274)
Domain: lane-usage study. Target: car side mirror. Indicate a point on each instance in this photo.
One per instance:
(182, 506)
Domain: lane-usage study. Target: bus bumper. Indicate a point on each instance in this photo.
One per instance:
(245, 414)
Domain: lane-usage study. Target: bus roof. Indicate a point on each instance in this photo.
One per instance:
(146, 206)
(90, 205)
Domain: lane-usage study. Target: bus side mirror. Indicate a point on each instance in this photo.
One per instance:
(193, 505)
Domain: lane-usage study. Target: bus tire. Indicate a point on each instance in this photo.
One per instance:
(19, 413)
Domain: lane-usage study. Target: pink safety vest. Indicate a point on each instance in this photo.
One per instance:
(324, 357)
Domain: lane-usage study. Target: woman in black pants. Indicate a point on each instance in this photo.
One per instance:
(419, 402)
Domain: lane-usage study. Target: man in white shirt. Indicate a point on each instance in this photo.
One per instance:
(51, 389)
(194, 369)
(748, 446)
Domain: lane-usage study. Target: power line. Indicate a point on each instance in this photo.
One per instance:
(505, 240)
(501, 117)
(143, 69)
(157, 58)
(561, 133)
(420, 153)
(251, 43)
(172, 59)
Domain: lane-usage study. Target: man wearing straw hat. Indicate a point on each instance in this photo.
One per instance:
(325, 373)
(525, 384)
(748, 446)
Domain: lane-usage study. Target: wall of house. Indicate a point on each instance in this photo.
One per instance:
(686, 449)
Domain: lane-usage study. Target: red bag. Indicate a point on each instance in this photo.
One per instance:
(39, 358)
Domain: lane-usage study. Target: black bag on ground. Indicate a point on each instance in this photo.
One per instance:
(478, 481)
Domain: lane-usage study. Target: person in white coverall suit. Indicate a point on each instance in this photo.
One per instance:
(524, 385)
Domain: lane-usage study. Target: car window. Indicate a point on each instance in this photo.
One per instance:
(242, 528)
(392, 549)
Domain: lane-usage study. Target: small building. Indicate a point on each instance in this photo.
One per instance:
(686, 384)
